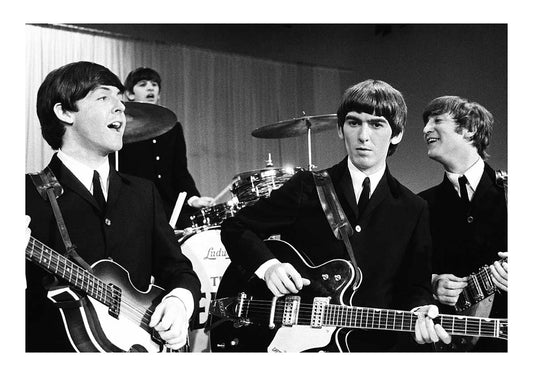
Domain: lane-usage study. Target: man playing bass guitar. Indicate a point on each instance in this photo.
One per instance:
(391, 239)
(108, 215)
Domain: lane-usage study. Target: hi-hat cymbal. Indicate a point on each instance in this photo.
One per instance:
(297, 126)
(146, 120)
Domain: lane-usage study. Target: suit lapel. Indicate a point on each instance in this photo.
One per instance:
(68, 180)
(485, 186)
(115, 186)
(381, 191)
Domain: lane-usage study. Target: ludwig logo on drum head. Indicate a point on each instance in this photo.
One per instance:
(214, 253)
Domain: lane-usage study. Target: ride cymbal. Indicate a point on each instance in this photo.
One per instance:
(296, 127)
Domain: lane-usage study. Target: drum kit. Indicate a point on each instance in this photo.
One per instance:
(201, 241)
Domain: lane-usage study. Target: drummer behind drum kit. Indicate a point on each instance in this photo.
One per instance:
(201, 241)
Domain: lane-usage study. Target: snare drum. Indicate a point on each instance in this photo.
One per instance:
(209, 260)
(214, 215)
(248, 187)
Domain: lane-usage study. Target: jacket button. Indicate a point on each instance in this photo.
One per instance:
(107, 221)
(470, 219)
(154, 141)
(358, 228)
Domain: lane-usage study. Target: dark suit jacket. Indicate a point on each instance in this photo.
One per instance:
(392, 249)
(462, 246)
(165, 163)
(136, 235)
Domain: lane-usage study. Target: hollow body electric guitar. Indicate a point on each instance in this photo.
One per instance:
(319, 318)
(110, 314)
(476, 299)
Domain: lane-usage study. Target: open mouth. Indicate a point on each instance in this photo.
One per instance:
(115, 125)
(430, 140)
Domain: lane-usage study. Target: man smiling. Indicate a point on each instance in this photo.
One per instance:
(468, 210)
(391, 238)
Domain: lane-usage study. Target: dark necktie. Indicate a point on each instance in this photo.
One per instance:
(365, 196)
(462, 189)
(97, 191)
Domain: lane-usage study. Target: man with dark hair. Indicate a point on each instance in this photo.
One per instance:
(108, 215)
(161, 159)
(468, 210)
(391, 240)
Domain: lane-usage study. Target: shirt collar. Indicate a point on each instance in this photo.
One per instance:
(473, 175)
(84, 173)
(358, 176)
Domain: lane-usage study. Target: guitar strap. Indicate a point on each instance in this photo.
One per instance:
(339, 223)
(49, 188)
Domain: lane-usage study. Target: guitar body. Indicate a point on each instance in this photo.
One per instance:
(90, 326)
(332, 279)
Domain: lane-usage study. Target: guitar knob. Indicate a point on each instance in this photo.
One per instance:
(234, 342)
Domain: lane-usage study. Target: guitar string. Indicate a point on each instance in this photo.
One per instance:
(359, 315)
(306, 309)
(100, 290)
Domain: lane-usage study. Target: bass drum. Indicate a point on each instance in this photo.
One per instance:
(209, 260)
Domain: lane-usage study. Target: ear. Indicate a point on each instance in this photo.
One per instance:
(340, 132)
(396, 139)
(129, 95)
(63, 115)
(468, 135)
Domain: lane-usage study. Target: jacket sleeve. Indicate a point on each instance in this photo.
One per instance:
(243, 234)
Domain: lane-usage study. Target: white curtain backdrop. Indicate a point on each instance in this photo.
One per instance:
(219, 98)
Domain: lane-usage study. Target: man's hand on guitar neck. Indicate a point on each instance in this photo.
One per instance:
(282, 278)
(447, 287)
(425, 330)
(499, 271)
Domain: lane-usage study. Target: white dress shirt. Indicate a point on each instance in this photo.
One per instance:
(473, 175)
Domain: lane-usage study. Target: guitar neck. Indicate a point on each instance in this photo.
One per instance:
(394, 320)
(75, 275)
(320, 314)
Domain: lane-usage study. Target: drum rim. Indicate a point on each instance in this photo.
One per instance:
(191, 231)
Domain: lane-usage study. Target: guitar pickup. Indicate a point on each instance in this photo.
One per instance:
(290, 310)
(114, 300)
(317, 313)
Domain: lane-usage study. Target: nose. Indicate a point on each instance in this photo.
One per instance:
(427, 128)
(119, 105)
(364, 132)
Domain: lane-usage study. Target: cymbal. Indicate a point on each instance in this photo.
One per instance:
(146, 120)
(297, 126)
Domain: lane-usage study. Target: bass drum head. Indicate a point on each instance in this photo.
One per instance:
(209, 260)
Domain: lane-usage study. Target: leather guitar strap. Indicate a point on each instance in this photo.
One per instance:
(339, 223)
(49, 189)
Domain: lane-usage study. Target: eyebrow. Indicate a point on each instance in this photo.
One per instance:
(377, 119)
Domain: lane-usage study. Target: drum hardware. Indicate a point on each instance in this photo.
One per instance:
(297, 127)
